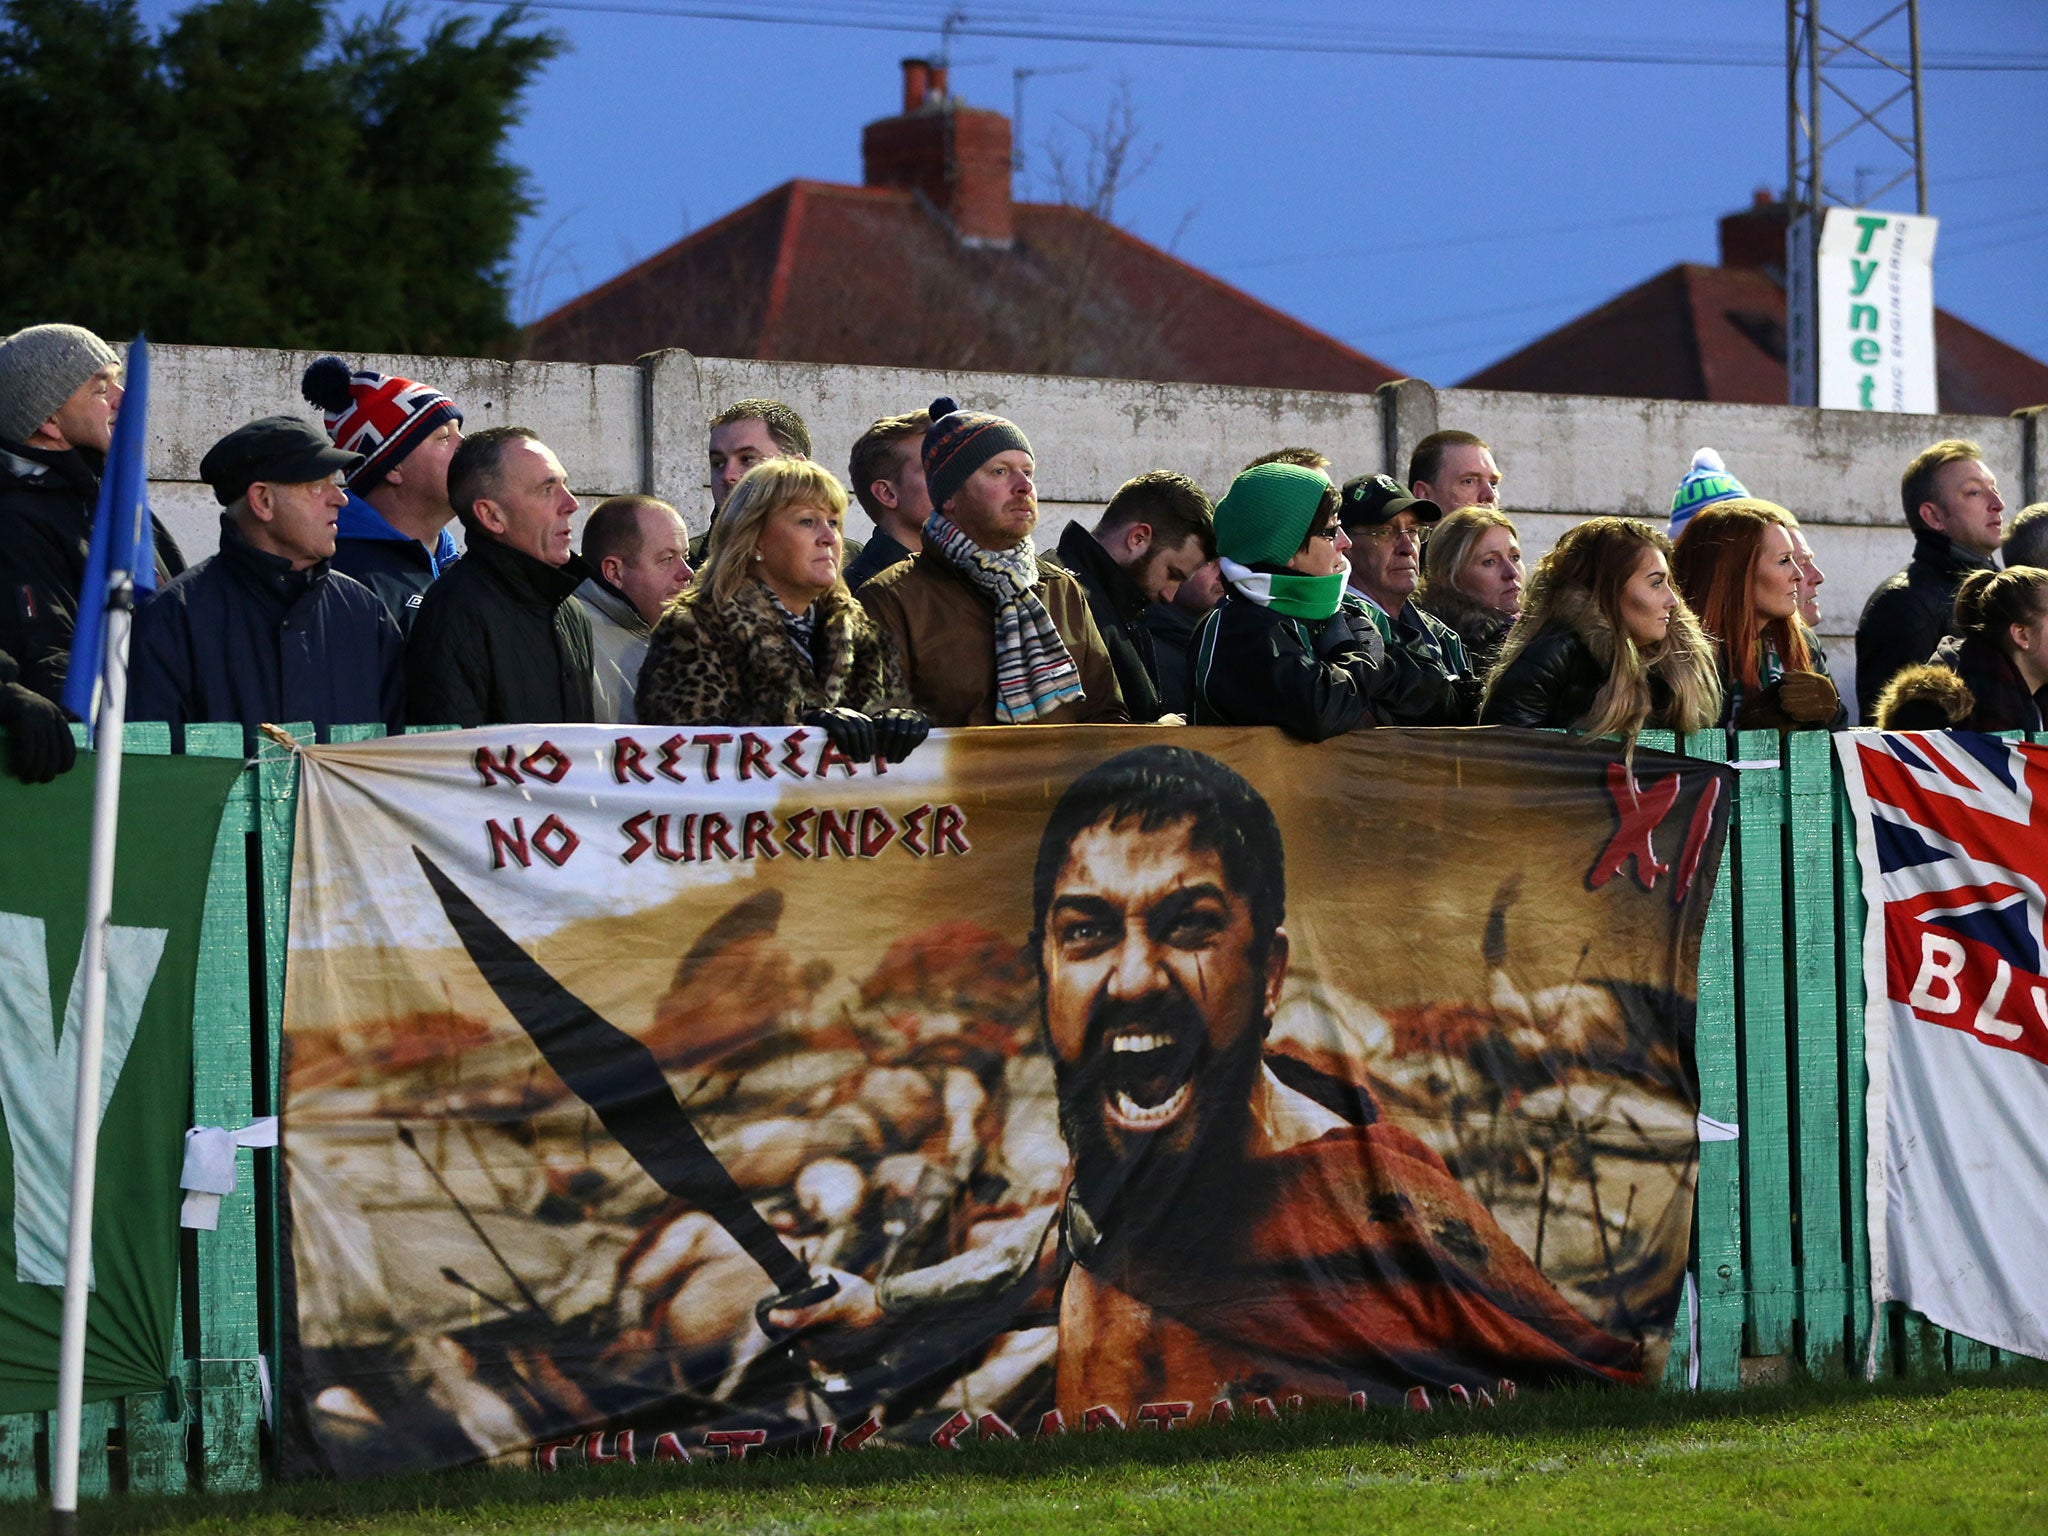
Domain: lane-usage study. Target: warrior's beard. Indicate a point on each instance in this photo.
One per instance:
(1156, 1120)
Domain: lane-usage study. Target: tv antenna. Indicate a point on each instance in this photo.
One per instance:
(1018, 76)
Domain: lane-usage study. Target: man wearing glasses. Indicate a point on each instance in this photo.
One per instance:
(1387, 528)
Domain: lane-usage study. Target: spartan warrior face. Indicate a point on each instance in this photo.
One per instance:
(1161, 957)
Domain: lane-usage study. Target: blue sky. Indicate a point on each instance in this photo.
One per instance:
(1437, 212)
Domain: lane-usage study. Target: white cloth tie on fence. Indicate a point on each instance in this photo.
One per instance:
(1711, 1129)
(210, 1168)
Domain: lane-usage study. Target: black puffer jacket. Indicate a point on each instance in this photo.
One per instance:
(2003, 702)
(1551, 685)
(1312, 678)
(242, 636)
(1119, 610)
(1908, 615)
(501, 640)
(47, 501)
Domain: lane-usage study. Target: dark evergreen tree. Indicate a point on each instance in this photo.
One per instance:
(259, 176)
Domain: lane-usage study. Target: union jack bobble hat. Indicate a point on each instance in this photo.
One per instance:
(378, 415)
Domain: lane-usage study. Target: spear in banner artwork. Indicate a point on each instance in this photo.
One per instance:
(120, 563)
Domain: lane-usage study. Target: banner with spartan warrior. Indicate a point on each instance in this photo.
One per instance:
(657, 1096)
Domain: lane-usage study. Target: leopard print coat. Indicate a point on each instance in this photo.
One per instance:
(736, 664)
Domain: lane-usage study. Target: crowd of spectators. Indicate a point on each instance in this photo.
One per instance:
(1298, 600)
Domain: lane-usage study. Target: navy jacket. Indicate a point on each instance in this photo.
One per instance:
(501, 640)
(1909, 614)
(242, 636)
(1119, 609)
(395, 566)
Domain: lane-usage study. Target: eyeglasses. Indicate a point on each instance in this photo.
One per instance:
(1329, 533)
(1380, 533)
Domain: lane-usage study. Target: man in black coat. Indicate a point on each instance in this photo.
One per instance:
(266, 630)
(1952, 505)
(60, 389)
(1156, 532)
(501, 639)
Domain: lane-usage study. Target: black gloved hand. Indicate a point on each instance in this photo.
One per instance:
(898, 732)
(38, 735)
(851, 731)
(1365, 635)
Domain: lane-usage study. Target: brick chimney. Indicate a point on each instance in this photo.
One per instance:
(1755, 236)
(957, 156)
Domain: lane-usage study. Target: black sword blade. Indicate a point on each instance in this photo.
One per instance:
(619, 1079)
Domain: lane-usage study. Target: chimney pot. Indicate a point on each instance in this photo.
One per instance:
(917, 79)
(939, 81)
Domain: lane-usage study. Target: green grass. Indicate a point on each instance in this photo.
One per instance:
(1812, 1457)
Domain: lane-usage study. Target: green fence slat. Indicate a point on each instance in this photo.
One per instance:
(1816, 1047)
(1719, 1203)
(95, 1428)
(18, 1455)
(1967, 1356)
(223, 1094)
(342, 735)
(1766, 1141)
(277, 786)
(153, 1442)
(1855, 1086)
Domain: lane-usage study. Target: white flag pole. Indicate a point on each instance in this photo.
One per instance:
(92, 1029)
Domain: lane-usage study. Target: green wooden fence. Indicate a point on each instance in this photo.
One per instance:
(1782, 1267)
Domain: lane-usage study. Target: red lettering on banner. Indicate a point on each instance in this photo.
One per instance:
(1965, 984)
(877, 832)
(913, 830)
(949, 827)
(714, 831)
(827, 1433)
(1485, 1398)
(793, 753)
(1262, 1408)
(1360, 1403)
(1163, 1415)
(1221, 1412)
(829, 756)
(509, 844)
(947, 1436)
(491, 769)
(1296, 1403)
(796, 833)
(635, 828)
(1461, 1394)
(668, 1446)
(671, 756)
(1100, 1418)
(622, 1450)
(1505, 1390)
(546, 762)
(665, 850)
(757, 837)
(1050, 1423)
(626, 758)
(733, 1444)
(547, 1456)
(1417, 1401)
(992, 1426)
(1696, 840)
(837, 831)
(857, 1437)
(754, 757)
(554, 840)
(1640, 811)
(711, 741)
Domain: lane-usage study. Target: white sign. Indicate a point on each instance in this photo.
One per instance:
(1874, 289)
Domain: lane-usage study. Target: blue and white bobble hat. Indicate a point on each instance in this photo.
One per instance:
(1707, 482)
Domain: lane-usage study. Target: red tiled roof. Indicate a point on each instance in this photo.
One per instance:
(819, 272)
(1718, 333)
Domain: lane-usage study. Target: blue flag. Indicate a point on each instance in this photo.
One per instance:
(121, 538)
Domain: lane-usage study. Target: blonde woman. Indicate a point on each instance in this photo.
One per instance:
(1605, 645)
(1472, 579)
(769, 634)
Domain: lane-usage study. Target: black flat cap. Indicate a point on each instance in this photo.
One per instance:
(282, 449)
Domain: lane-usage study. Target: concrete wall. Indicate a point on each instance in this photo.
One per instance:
(641, 427)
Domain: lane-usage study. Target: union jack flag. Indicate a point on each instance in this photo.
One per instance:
(1961, 863)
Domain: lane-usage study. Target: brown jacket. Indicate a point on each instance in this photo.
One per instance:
(945, 630)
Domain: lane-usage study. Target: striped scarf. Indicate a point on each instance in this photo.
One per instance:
(1035, 673)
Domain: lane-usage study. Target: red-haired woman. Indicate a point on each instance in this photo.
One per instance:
(1739, 570)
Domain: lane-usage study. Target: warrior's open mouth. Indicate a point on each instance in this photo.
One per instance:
(1150, 1077)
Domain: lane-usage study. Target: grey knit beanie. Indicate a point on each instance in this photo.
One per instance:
(40, 367)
